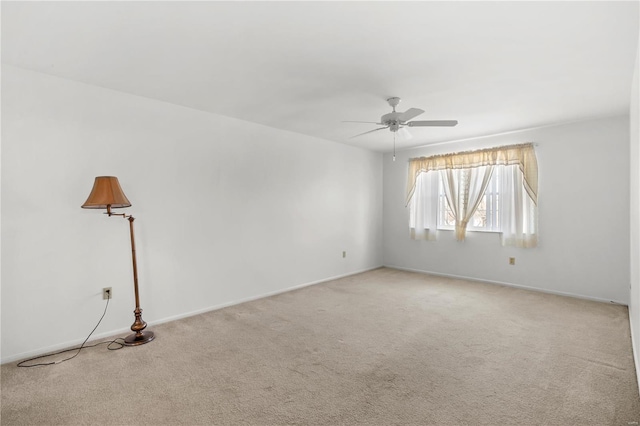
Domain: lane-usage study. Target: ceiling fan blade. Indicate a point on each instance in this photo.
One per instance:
(409, 114)
(433, 123)
(370, 131)
(368, 122)
(404, 133)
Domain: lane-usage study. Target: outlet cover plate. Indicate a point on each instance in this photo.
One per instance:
(105, 295)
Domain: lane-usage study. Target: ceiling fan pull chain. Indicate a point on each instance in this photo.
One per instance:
(394, 146)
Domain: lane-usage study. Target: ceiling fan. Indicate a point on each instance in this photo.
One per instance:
(397, 122)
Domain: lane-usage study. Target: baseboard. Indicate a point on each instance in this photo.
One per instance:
(524, 287)
(113, 333)
(252, 298)
(62, 346)
(633, 349)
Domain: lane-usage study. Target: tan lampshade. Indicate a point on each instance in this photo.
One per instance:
(106, 192)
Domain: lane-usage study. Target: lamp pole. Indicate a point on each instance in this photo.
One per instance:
(139, 337)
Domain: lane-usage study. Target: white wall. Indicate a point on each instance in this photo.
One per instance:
(634, 196)
(583, 199)
(225, 210)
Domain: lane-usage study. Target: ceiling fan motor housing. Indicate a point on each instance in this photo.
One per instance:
(392, 120)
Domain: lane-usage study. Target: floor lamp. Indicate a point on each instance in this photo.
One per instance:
(107, 194)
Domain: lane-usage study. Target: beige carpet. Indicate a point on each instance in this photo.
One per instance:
(381, 348)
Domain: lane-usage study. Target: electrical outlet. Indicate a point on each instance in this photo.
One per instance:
(344, 254)
(512, 261)
(107, 293)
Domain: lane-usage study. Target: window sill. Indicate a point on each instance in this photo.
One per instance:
(471, 230)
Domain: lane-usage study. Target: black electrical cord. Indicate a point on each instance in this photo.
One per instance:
(112, 342)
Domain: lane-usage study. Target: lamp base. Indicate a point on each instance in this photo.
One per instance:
(140, 338)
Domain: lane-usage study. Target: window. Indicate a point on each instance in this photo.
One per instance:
(492, 190)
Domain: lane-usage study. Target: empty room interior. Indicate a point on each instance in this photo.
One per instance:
(335, 213)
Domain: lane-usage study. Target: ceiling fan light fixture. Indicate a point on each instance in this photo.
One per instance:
(404, 133)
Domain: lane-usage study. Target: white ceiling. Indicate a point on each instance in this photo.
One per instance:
(306, 66)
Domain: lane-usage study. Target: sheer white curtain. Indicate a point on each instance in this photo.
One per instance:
(518, 212)
(423, 214)
(464, 189)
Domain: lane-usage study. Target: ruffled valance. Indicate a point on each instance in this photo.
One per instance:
(522, 155)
